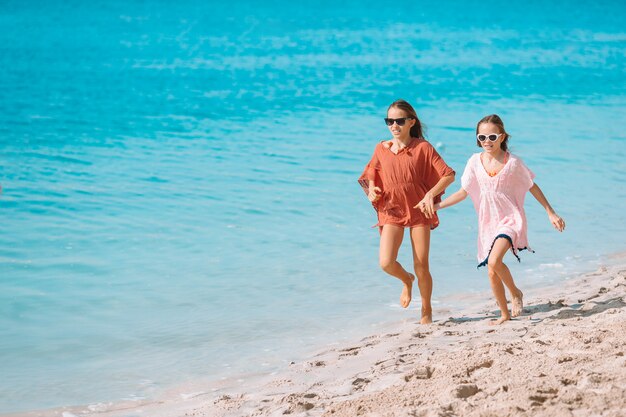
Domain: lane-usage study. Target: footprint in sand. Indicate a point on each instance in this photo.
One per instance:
(360, 383)
(542, 396)
(423, 372)
(484, 364)
(353, 351)
(298, 403)
(299, 408)
(537, 400)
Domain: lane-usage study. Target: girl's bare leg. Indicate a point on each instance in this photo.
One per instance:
(517, 301)
(420, 241)
(494, 265)
(390, 241)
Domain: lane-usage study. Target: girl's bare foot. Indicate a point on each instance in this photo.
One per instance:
(499, 321)
(405, 297)
(517, 304)
(427, 316)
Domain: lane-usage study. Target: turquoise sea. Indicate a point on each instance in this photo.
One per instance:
(179, 178)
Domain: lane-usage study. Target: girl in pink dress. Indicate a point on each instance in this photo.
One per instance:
(405, 172)
(497, 182)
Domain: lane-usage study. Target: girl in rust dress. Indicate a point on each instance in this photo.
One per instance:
(405, 176)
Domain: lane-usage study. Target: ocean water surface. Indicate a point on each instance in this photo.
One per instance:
(179, 180)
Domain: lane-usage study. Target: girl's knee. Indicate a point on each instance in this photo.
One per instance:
(494, 263)
(387, 264)
(421, 268)
(491, 271)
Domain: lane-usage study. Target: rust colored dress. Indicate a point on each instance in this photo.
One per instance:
(404, 179)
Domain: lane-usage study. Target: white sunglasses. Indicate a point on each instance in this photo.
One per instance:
(492, 137)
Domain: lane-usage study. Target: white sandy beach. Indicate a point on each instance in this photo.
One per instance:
(563, 357)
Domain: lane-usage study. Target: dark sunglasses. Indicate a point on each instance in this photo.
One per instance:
(400, 122)
(492, 137)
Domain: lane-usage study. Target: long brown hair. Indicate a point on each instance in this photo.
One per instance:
(417, 131)
(495, 120)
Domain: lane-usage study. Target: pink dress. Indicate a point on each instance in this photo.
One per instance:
(499, 203)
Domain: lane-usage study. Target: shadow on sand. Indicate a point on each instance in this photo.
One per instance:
(566, 311)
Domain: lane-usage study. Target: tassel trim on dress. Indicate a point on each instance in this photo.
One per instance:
(507, 237)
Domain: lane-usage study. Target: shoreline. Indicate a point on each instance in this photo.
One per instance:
(563, 355)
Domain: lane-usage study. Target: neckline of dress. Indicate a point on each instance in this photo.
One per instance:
(497, 174)
(389, 143)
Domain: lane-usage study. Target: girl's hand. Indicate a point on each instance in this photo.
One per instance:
(557, 221)
(422, 207)
(427, 205)
(374, 194)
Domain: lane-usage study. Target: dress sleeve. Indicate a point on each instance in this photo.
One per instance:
(372, 168)
(468, 181)
(439, 166)
(371, 173)
(436, 168)
(525, 175)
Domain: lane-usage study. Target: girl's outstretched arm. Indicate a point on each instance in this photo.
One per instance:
(450, 201)
(555, 219)
(427, 204)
